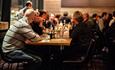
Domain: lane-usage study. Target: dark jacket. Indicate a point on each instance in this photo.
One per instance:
(66, 18)
(81, 37)
(36, 28)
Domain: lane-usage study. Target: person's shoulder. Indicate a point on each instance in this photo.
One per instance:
(21, 23)
(111, 22)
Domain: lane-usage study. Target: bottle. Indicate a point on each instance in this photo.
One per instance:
(51, 31)
(64, 22)
(51, 27)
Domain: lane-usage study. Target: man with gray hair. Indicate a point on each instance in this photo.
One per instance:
(80, 37)
(14, 40)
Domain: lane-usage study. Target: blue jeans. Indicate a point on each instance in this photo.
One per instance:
(34, 62)
(19, 55)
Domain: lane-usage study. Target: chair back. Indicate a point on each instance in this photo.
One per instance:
(85, 57)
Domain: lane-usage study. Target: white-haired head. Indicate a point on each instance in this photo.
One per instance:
(30, 14)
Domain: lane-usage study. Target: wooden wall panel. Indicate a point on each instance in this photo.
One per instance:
(88, 3)
(52, 6)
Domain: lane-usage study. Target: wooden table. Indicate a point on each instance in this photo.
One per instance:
(54, 54)
(53, 42)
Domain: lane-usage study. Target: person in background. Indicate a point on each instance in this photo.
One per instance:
(94, 26)
(50, 22)
(103, 22)
(57, 18)
(103, 26)
(21, 12)
(14, 41)
(97, 29)
(65, 18)
(37, 24)
(110, 36)
(81, 37)
(112, 20)
(87, 20)
(45, 16)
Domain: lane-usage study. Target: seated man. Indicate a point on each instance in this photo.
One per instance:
(80, 37)
(14, 40)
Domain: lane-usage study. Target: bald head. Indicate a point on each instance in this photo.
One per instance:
(30, 14)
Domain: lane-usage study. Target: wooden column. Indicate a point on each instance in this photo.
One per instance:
(40, 4)
(6, 9)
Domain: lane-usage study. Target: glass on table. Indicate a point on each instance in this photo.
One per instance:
(45, 37)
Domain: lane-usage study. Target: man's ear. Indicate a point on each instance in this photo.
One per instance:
(27, 15)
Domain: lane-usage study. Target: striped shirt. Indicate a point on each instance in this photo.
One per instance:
(17, 34)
